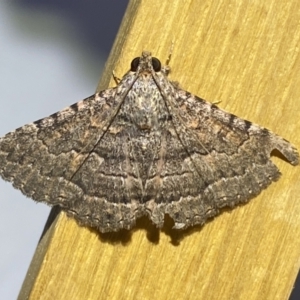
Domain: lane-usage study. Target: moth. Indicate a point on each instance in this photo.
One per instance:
(144, 147)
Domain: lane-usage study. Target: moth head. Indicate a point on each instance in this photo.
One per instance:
(155, 62)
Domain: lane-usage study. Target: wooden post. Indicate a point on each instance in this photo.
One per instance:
(245, 54)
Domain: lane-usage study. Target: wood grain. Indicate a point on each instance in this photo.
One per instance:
(245, 54)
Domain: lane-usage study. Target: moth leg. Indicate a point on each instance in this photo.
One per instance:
(116, 79)
(166, 68)
(217, 102)
(170, 53)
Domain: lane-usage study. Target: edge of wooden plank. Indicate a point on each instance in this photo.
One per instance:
(49, 229)
(39, 254)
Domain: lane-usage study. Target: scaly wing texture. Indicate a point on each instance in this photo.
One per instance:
(106, 172)
(71, 159)
(229, 157)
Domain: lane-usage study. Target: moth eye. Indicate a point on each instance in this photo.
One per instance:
(156, 64)
(134, 64)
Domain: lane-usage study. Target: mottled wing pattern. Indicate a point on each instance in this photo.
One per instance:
(57, 159)
(229, 157)
(145, 147)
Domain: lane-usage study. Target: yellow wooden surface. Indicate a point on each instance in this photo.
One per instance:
(245, 54)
